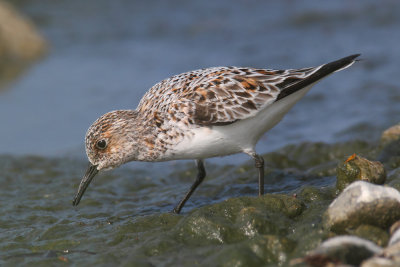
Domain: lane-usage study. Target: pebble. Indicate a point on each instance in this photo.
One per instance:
(342, 250)
(390, 135)
(363, 203)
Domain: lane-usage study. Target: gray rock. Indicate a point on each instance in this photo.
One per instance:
(395, 238)
(390, 256)
(390, 135)
(392, 252)
(378, 262)
(342, 250)
(389, 143)
(363, 203)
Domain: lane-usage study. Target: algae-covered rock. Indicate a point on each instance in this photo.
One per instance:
(393, 179)
(271, 248)
(214, 224)
(358, 168)
(372, 233)
(312, 194)
(342, 250)
(205, 226)
(237, 219)
(259, 251)
(390, 135)
(234, 255)
(389, 146)
(309, 155)
(390, 155)
(288, 205)
(363, 203)
(252, 222)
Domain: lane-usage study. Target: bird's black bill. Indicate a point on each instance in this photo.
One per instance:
(90, 173)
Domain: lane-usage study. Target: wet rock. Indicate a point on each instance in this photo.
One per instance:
(271, 248)
(390, 256)
(317, 156)
(237, 219)
(372, 233)
(342, 250)
(378, 262)
(392, 252)
(363, 203)
(393, 179)
(234, 255)
(202, 228)
(389, 144)
(252, 222)
(288, 205)
(358, 168)
(390, 135)
(20, 43)
(394, 233)
(312, 194)
(390, 155)
(213, 224)
(259, 251)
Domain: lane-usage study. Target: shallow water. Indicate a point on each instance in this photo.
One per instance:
(105, 54)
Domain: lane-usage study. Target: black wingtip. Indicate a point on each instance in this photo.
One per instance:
(335, 66)
(354, 56)
(325, 70)
(348, 58)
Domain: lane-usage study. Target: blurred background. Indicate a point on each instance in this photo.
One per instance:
(96, 56)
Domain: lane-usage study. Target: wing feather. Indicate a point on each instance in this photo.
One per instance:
(224, 95)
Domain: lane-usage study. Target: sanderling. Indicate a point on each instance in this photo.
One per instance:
(200, 114)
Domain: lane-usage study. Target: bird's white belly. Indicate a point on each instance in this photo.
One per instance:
(205, 142)
(241, 136)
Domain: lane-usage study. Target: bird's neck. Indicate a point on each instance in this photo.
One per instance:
(143, 137)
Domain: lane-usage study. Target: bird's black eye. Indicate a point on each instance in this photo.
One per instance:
(101, 144)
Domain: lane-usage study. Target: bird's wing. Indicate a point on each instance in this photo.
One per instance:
(224, 95)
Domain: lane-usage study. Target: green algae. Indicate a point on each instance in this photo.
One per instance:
(372, 233)
(358, 168)
(311, 194)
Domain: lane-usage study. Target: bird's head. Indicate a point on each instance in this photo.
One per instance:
(110, 141)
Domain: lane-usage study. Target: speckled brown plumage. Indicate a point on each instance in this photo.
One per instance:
(216, 96)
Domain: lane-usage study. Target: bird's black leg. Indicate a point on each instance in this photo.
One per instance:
(201, 173)
(259, 163)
